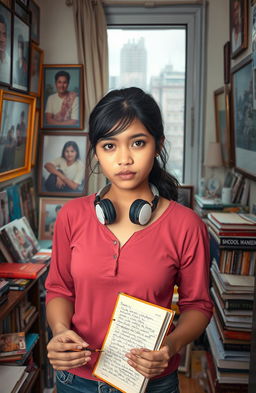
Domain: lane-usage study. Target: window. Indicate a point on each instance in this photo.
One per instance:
(158, 49)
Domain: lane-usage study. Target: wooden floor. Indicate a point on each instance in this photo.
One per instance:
(189, 385)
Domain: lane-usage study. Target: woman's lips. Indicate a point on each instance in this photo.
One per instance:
(126, 175)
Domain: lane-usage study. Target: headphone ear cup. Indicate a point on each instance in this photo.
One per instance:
(105, 211)
(140, 212)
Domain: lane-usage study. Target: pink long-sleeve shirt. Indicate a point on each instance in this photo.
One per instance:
(89, 268)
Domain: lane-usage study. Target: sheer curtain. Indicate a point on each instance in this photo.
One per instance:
(91, 35)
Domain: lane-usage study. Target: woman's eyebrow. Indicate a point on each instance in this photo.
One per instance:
(113, 138)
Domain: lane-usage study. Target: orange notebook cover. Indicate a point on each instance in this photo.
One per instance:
(135, 323)
(21, 270)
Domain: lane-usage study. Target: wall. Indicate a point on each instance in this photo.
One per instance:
(58, 41)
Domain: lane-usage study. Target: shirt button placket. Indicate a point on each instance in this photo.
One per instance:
(116, 253)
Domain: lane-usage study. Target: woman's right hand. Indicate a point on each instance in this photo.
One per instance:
(67, 350)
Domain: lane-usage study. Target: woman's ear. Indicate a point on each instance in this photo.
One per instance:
(159, 148)
(95, 157)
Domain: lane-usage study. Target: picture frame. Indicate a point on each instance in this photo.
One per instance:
(17, 112)
(23, 13)
(35, 138)
(226, 54)
(186, 195)
(53, 149)
(6, 59)
(35, 74)
(35, 21)
(28, 201)
(238, 11)
(14, 205)
(62, 106)
(244, 118)
(20, 55)
(222, 123)
(185, 359)
(48, 210)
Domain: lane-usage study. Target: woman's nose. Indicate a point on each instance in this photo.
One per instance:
(124, 157)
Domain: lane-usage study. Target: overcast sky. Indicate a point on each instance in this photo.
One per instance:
(163, 47)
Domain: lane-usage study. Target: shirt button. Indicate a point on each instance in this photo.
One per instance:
(115, 256)
(115, 242)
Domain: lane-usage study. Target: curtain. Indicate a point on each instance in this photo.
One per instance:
(91, 35)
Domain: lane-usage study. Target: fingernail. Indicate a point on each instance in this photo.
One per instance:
(79, 347)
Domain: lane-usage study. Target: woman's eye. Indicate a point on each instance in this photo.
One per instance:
(108, 146)
(139, 143)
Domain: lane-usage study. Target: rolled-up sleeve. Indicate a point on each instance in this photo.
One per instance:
(59, 282)
(193, 275)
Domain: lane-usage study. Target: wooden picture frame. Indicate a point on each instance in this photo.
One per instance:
(238, 10)
(6, 28)
(222, 123)
(35, 21)
(186, 195)
(17, 113)
(20, 55)
(53, 147)
(35, 138)
(226, 54)
(66, 113)
(35, 75)
(244, 118)
(48, 210)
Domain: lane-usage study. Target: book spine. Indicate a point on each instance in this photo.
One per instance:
(237, 347)
(238, 305)
(237, 243)
(18, 274)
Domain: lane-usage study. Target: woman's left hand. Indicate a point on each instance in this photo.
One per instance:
(149, 363)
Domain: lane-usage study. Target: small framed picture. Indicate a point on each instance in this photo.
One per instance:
(35, 21)
(186, 195)
(238, 26)
(48, 211)
(35, 77)
(62, 166)
(222, 122)
(244, 118)
(62, 97)
(20, 58)
(17, 112)
(6, 39)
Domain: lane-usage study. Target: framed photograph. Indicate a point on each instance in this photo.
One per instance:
(185, 359)
(14, 204)
(20, 58)
(35, 21)
(28, 201)
(35, 77)
(23, 13)
(62, 164)
(62, 97)
(35, 138)
(238, 26)
(226, 51)
(222, 123)
(244, 118)
(186, 195)
(48, 211)
(5, 45)
(17, 112)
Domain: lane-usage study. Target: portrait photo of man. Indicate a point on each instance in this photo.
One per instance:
(62, 98)
(5, 45)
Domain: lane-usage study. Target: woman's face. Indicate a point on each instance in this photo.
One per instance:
(70, 155)
(61, 85)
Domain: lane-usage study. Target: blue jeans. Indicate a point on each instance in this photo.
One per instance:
(70, 383)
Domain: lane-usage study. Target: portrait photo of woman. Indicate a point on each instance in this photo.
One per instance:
(62, 169)
(62, 98)
(20, 61)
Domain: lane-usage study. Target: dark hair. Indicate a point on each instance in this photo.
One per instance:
(115, 112)
(2, 20)
(75, 147)
(62, 73)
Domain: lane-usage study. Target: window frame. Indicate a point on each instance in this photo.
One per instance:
(193, 17)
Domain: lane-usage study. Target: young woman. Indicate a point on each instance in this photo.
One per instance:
(125, 239)
(66, 172)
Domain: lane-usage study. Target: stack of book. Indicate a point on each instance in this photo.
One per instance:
(233, 249)
(16, 347)
(233, 242)
(204, 205)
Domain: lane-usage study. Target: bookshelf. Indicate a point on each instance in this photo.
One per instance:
(34, 382)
